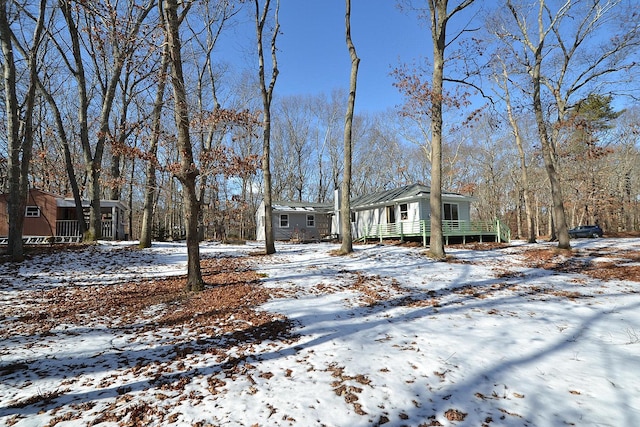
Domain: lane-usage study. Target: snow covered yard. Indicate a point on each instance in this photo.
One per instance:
(518, 335)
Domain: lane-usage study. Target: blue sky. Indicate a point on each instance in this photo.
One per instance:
(313, 56)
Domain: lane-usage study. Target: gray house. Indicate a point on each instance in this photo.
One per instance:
(400, 213)
(297, 221)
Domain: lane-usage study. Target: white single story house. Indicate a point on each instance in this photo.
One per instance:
(403, 207)
(403, 212)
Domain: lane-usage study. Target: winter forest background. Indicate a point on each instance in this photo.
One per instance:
(88, 101)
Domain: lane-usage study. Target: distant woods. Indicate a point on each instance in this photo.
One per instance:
(93, 108)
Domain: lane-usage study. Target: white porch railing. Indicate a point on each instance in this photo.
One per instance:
(450, 228)
(72, 228)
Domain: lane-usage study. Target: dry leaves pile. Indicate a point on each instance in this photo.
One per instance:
(609, 264)
(190, 325)
(231, 291)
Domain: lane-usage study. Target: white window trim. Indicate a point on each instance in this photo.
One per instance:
(311, 223)
(32, 212)
(404, 215)
(280, 220)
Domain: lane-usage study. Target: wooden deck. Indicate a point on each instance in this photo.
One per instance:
(478, 230)
(67, 231)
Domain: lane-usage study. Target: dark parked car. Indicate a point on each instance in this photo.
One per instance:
(586, 231)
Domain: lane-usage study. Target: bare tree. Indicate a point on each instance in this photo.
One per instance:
(561, 53)
(345, 202)
(440, 17)
(186, 171)
(150, 169)
(215, 18)
(122, 33)
(267, 96)
(503, 83)
(291, 148)
(68, 158)
(20, 127)
(329, 148)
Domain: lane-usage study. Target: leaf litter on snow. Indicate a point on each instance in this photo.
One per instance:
(518, 334)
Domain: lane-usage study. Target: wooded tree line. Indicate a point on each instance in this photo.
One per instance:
(539, 114)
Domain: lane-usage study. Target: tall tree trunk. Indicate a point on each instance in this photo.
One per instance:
(130, 212)
(267, 96)
(560, 223)
(19, 126)
(115, 191)
(83, 121)
(17, 195)
(438, 11)
(524, 174)
(68, 160)
(188, 172)
(439, 19)
(345, 205)
(150, 172)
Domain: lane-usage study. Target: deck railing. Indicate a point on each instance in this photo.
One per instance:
(72, 228)
(457, 228)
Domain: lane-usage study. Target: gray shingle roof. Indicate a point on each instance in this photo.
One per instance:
(390, 195)
(373, 199)
(398, 194)
(284, 206)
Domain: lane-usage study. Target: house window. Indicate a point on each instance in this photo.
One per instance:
(404, 212)
(284, 221)
(311, 220)
(32, 212)
(450, 212)
(353, 216)
(391, 214)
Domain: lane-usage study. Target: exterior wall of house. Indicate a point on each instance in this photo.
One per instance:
(44, 210)
(296, 226)
(40, 214)
(425, 208)
(374, 216)
(365, 219)
(417, 210)
(464, 208)
(113, 217)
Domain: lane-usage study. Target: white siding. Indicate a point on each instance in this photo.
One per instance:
(365, 219)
